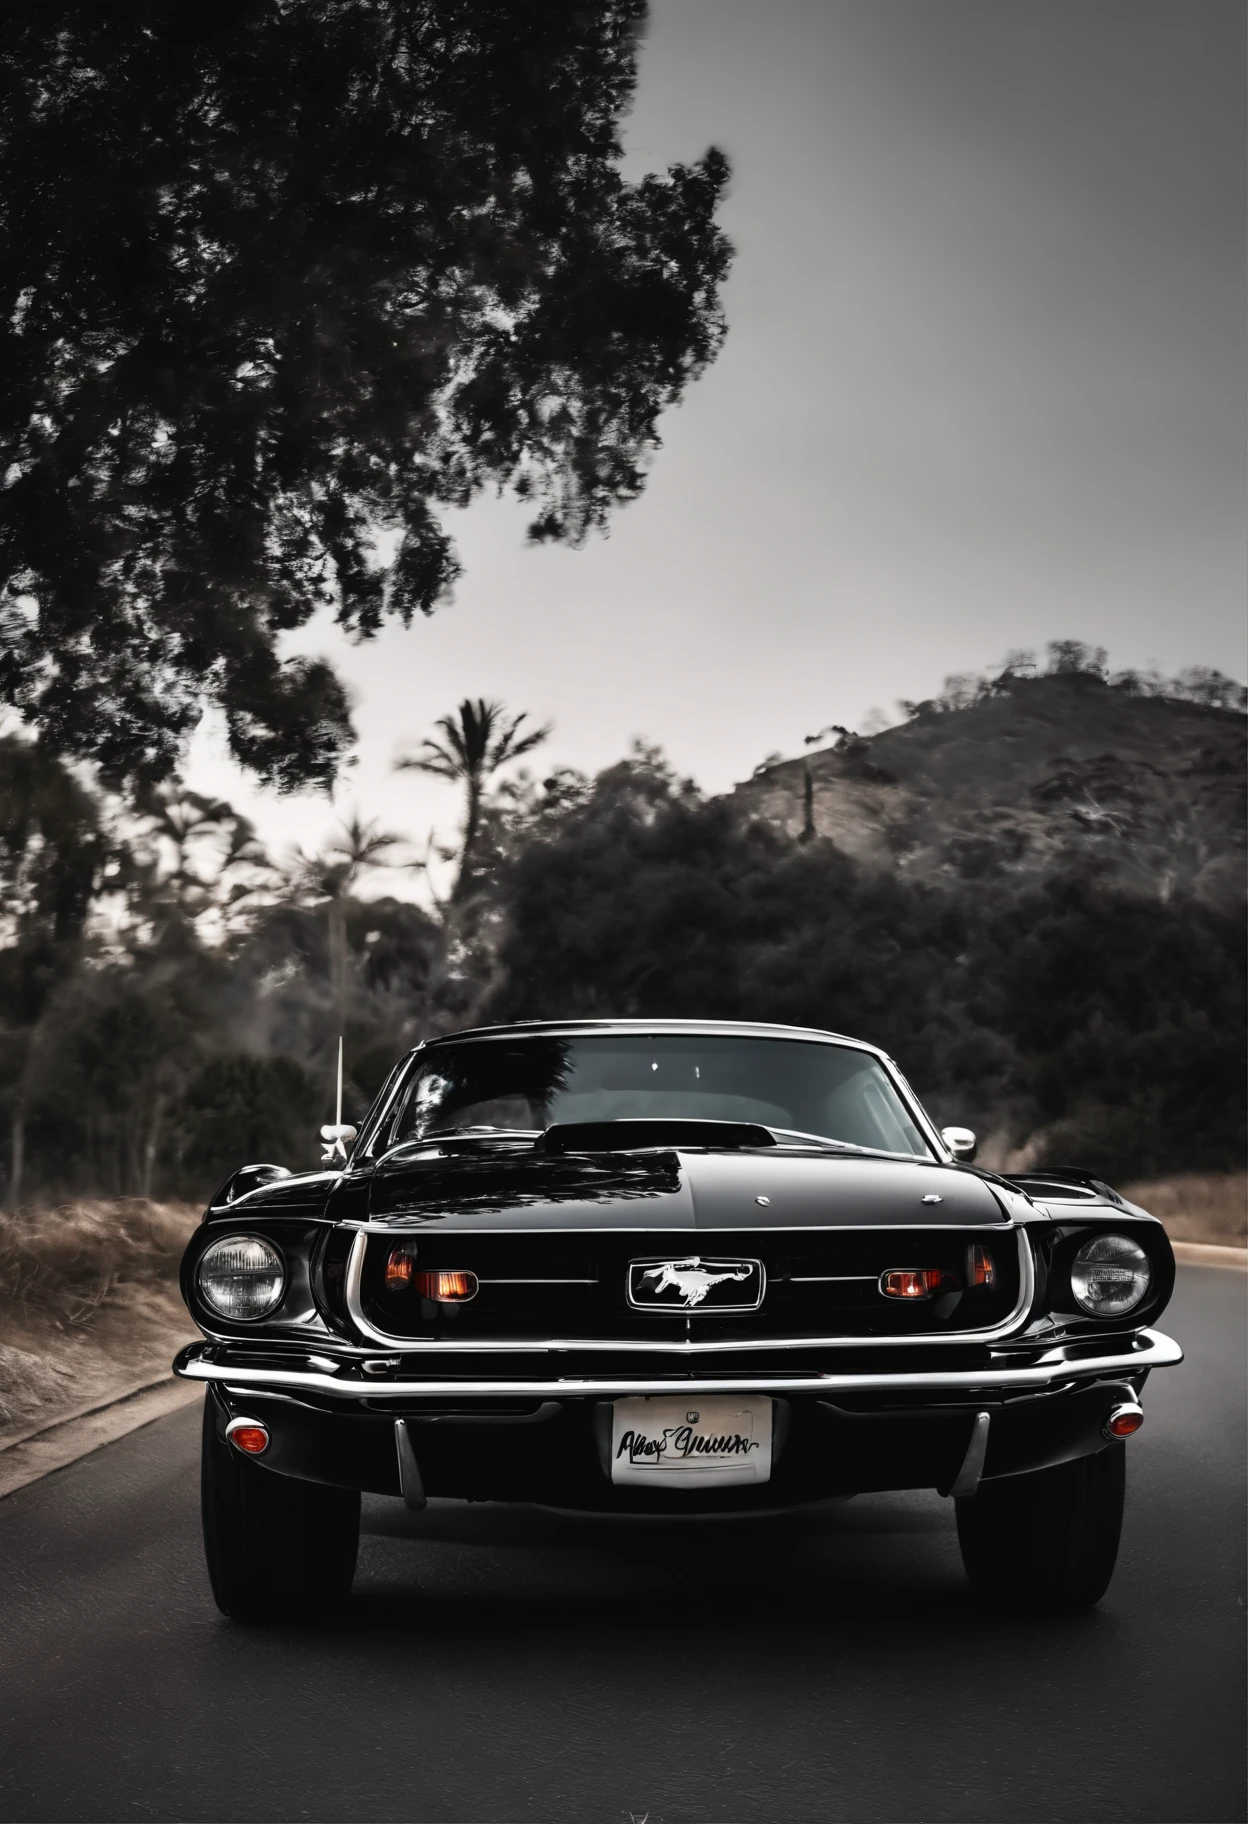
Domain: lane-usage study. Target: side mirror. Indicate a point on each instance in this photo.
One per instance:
(961, 1143)
(337, 1137)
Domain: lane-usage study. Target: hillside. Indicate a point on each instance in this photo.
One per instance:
(1057, 772)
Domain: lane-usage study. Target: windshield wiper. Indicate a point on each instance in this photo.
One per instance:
(825, 1140)
(843, 1146)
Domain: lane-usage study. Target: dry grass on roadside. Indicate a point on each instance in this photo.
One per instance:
(89, 1304)
(61, 1265)
(1198, 1206)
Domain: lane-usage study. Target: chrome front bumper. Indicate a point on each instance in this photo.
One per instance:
(1059, 1366)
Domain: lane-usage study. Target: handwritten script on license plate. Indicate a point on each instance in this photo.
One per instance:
(691, 1442)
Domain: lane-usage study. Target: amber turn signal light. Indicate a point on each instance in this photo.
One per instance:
(979, 1268)
(447, 1288)
(1123, 1421)
(400, 1269)
(248, 1435)
(910, 1282)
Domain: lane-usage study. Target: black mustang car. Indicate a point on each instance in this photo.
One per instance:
(666, 1267)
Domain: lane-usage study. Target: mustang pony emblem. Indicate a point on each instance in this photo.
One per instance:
(691, 1280)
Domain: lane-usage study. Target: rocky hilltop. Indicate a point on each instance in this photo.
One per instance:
(1062, 772)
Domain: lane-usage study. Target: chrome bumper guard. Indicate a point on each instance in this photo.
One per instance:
(1148, 1349)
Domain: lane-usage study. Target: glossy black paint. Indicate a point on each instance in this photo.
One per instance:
(515, 1211)
(830, 1449)
(520, 1187)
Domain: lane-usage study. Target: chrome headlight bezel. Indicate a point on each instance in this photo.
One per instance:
(1110, 1259)
(266, 1269)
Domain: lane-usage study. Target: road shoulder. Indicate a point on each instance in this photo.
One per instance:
(1203, 1254)
(65, 1440)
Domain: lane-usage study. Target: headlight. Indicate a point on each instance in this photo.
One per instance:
(241, 1277)
(1110, 1276)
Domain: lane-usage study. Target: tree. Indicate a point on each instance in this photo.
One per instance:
(1091, 1016)
(280, 281)
(333, 875)
(53, 850)
(1074, 658)
(1129, 1019)
(648, 901)
(191, 857)
(478, 741)
(1201, 684)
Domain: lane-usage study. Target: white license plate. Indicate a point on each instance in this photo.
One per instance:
(691, 1442)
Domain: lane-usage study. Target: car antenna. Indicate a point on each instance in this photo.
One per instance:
(337, 1136)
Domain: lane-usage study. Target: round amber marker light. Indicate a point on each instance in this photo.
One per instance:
(1124, 1423)
(250, 1438)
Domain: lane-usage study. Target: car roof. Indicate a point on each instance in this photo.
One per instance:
(750, 1029)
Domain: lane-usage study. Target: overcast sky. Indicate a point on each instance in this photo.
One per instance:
(982, 388)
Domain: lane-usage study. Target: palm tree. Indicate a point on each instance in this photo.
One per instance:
(333, 875)
(203, 857)
(477, 741)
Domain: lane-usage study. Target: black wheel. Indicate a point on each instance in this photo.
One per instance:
(1047, 1540)
(276, 1547)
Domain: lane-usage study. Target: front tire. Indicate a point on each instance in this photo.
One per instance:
(1047, 1540)
(277, 1548)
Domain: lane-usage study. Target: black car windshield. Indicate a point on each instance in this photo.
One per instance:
(832, 1092)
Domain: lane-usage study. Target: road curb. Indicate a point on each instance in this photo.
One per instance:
(1204, 1254)
(63, 1441)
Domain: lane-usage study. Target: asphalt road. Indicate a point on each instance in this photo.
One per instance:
(503, 1664)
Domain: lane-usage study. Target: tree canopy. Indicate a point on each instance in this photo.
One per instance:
(281, 279)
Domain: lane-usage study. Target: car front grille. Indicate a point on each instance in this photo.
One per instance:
(819, 1283)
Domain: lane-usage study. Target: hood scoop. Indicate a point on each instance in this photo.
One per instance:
(627, 1136)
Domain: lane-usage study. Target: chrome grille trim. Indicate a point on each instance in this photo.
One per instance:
(517, 1346)
(418, 1225)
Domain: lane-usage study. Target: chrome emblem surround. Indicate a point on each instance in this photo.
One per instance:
(696, 1286)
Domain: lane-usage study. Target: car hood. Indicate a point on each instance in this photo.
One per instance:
(679, 1190)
